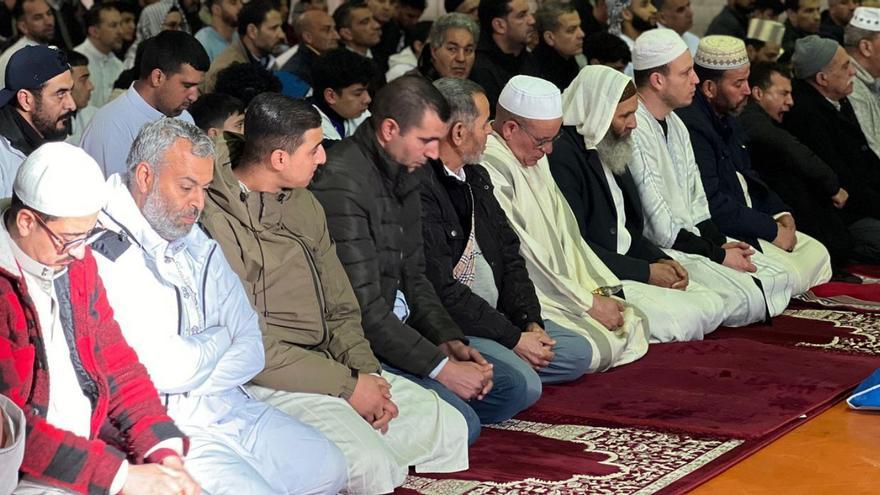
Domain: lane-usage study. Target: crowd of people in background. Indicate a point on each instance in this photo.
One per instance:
(255, 247)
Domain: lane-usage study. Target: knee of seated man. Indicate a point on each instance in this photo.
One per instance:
(517, 383)
(335, 470)
(575, 354)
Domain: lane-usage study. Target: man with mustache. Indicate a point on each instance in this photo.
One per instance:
(741, 203)
(35, 107)
(36, 24)
(186, 314)
(561, 39)
(173, 65)
(451, 48)
(105, 37)
(628, 19)
(588, 164)
(823, 83)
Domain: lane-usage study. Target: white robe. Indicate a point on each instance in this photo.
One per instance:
(563, 268)
(673, 199)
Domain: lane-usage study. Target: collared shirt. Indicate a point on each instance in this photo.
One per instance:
(108, 138)
(9, 52)
(213, 43)
(104, 69)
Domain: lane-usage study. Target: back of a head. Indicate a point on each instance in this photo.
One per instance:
(340, 68)
(276, 122)
(460, 93)
(406, 100)
(245, 81)
(169, 51)
(547, 16)
(418, 33)
(212, 109)
(76, 59)
(254, 12)
(606, 48)
(489, 10)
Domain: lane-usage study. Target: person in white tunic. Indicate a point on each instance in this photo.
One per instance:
(742, 205)
(860, 38)
(588, 163)
(319, 367)
(675, 208)
(574, 287)
(184, 311)
(12, 425)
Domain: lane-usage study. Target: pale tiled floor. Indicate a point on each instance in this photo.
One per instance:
(836, 453)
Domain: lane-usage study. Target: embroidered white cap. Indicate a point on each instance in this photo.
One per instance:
(657, 47)
(867, 18)
(531, 98)
(720, 52)
(61, 180)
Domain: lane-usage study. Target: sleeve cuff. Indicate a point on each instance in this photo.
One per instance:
(171, 446)
(120, 478)
(437, 369)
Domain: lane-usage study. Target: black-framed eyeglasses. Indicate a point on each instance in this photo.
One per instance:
(539, 143)
(66, 246)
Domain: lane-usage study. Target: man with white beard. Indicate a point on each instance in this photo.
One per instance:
(674, 204)
(575, 289)
(589, 165)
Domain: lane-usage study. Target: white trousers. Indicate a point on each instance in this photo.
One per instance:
(809, 264)
(428, 434)
(257, 449)
(673, 315)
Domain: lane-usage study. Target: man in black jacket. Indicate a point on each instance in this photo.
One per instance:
(505, 26)
(35, 107)
(472, 255)
(823, 79)
(373, 212)
(560, 40)
(588, 164)
(741, 203)
(802, 179)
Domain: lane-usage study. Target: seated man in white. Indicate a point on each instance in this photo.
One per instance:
(673, 200)
(184, 311)
(574, 287)
(589, 165)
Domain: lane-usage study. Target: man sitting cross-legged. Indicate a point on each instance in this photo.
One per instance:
(472, 254)
(588, 164)
(186, 314)
(319, 367)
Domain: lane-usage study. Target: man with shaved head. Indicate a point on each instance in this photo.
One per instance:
(317, 33)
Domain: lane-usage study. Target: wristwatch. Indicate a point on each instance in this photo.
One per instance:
(608, 290)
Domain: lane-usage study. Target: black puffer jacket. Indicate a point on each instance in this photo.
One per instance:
(373, 212)
(446, 223)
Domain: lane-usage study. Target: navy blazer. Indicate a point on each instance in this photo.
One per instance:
(581, 178)
(720, 150)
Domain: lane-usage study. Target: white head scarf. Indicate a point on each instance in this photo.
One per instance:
(589, 102)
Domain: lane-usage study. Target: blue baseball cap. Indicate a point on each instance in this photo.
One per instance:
(30, 67)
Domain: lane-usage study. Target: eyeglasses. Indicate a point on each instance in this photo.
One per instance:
(66, 246)
(539, 143)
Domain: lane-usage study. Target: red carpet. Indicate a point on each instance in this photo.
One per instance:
(663, 424)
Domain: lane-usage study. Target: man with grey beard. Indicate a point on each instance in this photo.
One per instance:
(589, 164)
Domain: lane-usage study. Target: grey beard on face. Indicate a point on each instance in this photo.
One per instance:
(159, 216)
(615, 152)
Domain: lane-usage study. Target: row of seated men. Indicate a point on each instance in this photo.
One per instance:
(316, 332)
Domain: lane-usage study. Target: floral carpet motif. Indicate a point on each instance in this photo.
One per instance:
(863, 338)
(624, 461)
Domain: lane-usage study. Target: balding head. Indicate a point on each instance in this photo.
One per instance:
(318, 30)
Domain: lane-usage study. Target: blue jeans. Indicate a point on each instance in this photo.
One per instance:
(516, 384)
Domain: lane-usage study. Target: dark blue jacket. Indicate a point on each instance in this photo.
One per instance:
(720, 151)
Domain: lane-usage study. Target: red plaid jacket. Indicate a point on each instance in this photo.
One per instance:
(124, 400)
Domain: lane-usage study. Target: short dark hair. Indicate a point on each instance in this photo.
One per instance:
(168, 51)
(547, 16)
(212, 109)
(274, 121)
(342, 14)
(419, 32)
(775, 5)
(18, 9)
(405, 101)
(255, 13)
(413, 4)
(792, 4)
(339, 69)
(642, 78)
(93, 15)
(245, 81)
(76, 59)
(490, 9)
(17, 205)
(761, 74)
(606, 47)
(705, 74)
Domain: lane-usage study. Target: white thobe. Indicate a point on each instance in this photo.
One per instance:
(104, 69)
(673, 199)
(866, 105)
(562, 267)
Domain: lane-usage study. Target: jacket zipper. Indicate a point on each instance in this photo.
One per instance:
(319, 291)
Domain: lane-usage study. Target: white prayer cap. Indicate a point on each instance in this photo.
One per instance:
(720, 52)
(657, 47)
(867, 18)
(61, 180)
(531, 98)
(766, 30)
